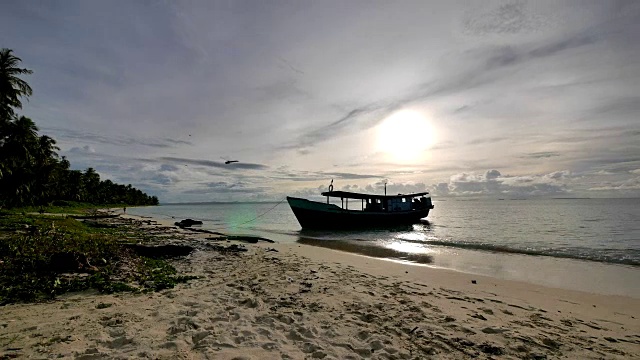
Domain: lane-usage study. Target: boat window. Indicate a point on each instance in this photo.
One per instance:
(404, 199)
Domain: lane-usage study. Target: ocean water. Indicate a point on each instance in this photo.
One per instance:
(583, 244)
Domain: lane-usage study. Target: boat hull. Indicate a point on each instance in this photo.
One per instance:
(321, 216)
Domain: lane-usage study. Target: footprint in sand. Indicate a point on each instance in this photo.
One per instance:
(181, 325)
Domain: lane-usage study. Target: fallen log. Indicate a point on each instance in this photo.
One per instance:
(160, 251)
(249, 238)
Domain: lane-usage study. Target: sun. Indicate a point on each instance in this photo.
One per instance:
(405, 135)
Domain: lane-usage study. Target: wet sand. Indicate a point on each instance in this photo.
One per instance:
(289, 301)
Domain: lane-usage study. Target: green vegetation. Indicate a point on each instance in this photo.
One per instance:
(31, 172)
(41, 257)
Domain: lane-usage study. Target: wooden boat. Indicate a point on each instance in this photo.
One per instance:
(375, 210)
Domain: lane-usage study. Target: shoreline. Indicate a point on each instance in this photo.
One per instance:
(290, 301)
(557, 272)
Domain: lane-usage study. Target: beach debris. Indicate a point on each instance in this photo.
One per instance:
(552, 344)
(249, 238)
(233, 248)
(537, 356)
(492, 330)
(97, 224)
(242, 238)
(491, 349)
(474, 282)
(160, 251)
(464, 342)
(413, 330)
(187, 223)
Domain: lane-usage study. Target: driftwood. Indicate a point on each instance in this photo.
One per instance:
(248, 238)
(160, 251)
(233, 248)
(243, 238)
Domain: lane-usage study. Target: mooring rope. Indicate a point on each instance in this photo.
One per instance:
(261, 215)
(234, 226)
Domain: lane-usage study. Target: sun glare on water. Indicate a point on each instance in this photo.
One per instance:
(405, 135)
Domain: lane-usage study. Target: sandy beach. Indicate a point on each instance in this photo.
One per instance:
(290, 301)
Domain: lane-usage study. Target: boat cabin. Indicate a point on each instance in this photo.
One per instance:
(383, 203)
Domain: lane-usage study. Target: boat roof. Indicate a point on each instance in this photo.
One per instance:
(353, 195)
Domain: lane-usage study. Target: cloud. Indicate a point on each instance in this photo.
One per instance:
(493, 183)
(395, 187)
(292, 175)
(626, 185)
(508, 18)
(222, 188)
(84, 136)
(216, 164)
(82, 150)
(347, 176)
(541, 155)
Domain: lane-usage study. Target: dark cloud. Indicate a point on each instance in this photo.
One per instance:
(347, 176)
(284, 174)
(75, 135)
(334, 129)
(564, 45)
(225, 188)
(625, 105)
(541, 155)
(490, 140)
(82, 150)
(168, 167)
(216, 164)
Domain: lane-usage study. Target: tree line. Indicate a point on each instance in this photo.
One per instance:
(31, 171)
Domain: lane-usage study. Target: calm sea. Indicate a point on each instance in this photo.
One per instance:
(585, 244)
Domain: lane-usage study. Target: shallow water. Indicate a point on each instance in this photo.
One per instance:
(559, 242)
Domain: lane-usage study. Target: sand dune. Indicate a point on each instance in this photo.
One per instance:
(301, 302)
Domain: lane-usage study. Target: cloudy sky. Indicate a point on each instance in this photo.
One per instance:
(502, 99)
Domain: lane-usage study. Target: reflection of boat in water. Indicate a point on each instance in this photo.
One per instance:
(376, 210)
(368, 248)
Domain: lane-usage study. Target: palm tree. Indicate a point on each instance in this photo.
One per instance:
(46, 162)
(19, 155)
(12, 88)
(91, 180)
